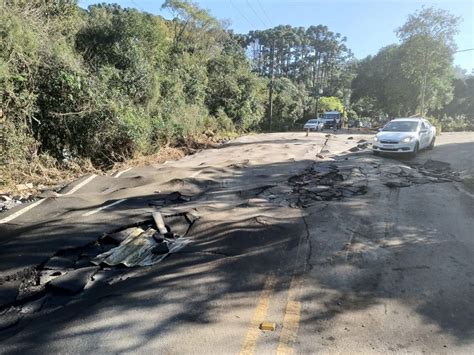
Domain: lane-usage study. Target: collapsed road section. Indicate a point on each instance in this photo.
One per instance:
(71, 271)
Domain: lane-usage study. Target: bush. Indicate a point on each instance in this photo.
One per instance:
(457, 123)
(435, 122)
(109, 83)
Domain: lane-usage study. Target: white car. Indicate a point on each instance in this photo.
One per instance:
(405, 135)
(314, 125)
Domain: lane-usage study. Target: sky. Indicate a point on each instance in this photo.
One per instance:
(368, 24)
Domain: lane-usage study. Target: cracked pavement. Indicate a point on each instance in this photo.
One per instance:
(346, 252)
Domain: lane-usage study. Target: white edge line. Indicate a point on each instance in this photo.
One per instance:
(122, 172)
(462, 189)
(20, 212)
(103, 208)
(81, 184)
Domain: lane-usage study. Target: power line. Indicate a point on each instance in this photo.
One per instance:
(264, 12)
(464, 50)
(136, 6)
(242, 15)
(256, 14)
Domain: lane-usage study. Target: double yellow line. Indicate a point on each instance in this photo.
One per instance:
(291, 318)
(248, 347)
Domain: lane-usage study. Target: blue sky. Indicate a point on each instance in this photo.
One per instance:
(367, 24)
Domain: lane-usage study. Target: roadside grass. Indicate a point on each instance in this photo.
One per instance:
(44, 173)
(41, 173)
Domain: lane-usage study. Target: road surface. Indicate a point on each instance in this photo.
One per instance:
(344, 251)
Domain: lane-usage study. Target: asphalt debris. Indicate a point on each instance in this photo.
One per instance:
(70, 272)
(172, 198)
(406, 175)
(74, 281)
(318, 183)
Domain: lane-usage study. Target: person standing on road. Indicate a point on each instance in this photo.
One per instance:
(334, 124)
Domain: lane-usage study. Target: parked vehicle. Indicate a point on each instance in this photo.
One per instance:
(314, 124)
(405, 135)
(330, 116)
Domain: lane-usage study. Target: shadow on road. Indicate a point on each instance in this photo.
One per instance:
(228, 261)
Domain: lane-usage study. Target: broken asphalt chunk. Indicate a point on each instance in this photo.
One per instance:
(119, 237)
(8, 292)
(437, 166)
(397, 183)
(420, 180)
(73, 281)
(59, 263)
(48, 275)
(177, 224)
(192, 217)
(10, 319)
(169, 199)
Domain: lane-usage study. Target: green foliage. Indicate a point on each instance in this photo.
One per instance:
(110, 83)
(315, 59)
(288, 103)
(415, 76)
(330, 103)
(235, 90)
(382, 87)
(427, 45)
(458, 115)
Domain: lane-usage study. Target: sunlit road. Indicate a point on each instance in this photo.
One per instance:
(361, 268)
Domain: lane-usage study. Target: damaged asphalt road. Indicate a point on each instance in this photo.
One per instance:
(341, 250)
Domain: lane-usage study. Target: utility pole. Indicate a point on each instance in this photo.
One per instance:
(270, 118)
(319, 92)
(423, 89)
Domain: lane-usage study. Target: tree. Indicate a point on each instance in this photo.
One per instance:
(288, 106)
(314, 59)
(381, 79)
(459, 113)
(330, 103)
(193, 27)
(428, 44)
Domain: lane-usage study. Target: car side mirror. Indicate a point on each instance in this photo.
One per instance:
(379, 129)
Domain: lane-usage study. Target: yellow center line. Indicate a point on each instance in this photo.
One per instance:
(291, 320)
(248, 346)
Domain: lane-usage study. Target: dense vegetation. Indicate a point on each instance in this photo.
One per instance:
(107, 83)
(417, 75)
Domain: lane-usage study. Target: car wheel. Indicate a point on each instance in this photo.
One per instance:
(431, 146)
(415, 150)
